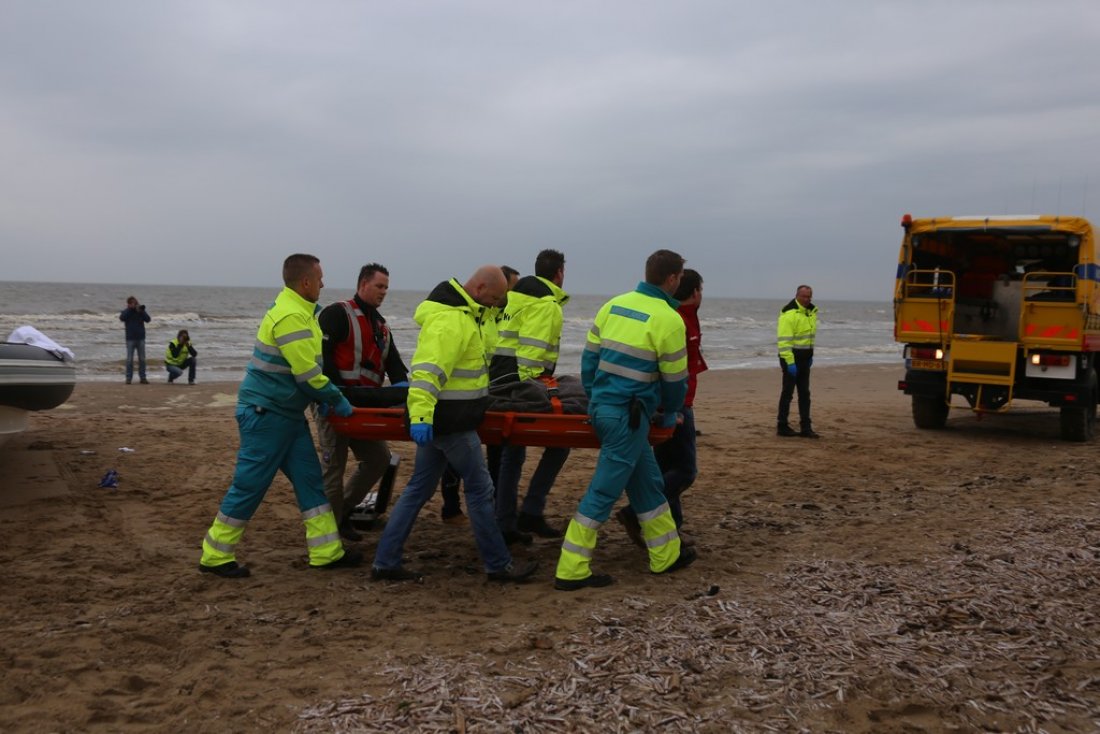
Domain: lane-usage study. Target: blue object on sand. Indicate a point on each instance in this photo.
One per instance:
(110, 479)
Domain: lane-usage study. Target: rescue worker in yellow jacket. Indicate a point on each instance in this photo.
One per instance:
(634, 369)
(179, 356)
(448, 393)
(795, 332)
(451, 484)
(530, 338)
(282, 379)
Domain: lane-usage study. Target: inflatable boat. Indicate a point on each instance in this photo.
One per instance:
(31, 378)
(498, 427)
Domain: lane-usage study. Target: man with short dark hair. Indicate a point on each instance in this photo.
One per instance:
(530, 339)
(283, 377)
(358, 352)
(677, 456)
(634, 369)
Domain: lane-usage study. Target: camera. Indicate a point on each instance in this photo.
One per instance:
(141, 307)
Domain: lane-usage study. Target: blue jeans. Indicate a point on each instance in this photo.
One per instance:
(451, 484)
(174, 372)
(135, 345)
(542, 481)
(271, 443)
(677, 459)
(463, 452)
(626, 461)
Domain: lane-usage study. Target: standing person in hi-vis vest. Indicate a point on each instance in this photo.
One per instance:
(634, 369)
(795, 333)
(283, 377)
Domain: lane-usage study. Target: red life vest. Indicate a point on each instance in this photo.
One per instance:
(359, 358)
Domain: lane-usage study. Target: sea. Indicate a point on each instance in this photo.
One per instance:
(738, 333)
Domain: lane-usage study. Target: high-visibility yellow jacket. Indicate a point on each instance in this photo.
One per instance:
(530, 331)
(449, 378)
(795, 331)
(490, 329)
(637, 349)
(285, 374)
(176, 354)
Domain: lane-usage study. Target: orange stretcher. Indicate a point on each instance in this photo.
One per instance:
(518, 429)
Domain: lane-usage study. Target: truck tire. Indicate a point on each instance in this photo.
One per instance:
(929, 412)
(1078, 422)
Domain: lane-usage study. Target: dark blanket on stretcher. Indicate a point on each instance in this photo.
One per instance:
(531, 396)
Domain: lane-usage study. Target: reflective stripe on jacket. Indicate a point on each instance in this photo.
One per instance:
(285, 374)
(530, 330)
(361, 358)
(795, 331)
(449, 378)
(637, 348)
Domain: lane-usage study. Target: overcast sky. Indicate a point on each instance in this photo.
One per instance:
(770, 143)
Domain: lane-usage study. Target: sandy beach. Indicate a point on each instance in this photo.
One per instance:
(881, 579)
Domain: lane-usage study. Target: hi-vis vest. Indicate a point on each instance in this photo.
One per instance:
(530, 330)
(180, 357)
(361, 358)
(449, 379)
(795, 330)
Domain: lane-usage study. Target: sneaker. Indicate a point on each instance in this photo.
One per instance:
(630, 523)
(785, 430)
(395, 574)
(349, 533)
(144, 381)
(596, 580)
(352, 558)
(809, 434)
(515, 573)
(171, 380)
(511, 537)
(686, 558)
(537, 524)
(458, 521)
(231, 570)
(128, 381)
(190, 382)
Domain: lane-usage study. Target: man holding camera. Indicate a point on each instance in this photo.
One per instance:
(135, 317)
(181, 355)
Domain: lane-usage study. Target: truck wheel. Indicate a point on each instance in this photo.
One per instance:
(1079, 421)
(929, 412)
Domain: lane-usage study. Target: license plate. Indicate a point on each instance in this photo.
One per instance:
(927, 364)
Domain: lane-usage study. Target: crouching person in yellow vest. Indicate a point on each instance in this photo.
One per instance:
(282, 379)
(179, 356)
(634, 362)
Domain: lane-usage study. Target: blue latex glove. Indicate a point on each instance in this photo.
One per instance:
(323, 409)
(792, 369)
(400, 384)
(421, 433)
(343, 408)
(669, 420)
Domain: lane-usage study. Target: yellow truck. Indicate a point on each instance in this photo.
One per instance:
(995, 309)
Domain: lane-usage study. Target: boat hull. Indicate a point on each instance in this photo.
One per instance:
(32, 378)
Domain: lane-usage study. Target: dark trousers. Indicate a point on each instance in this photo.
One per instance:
(679, 467)
(802, 384)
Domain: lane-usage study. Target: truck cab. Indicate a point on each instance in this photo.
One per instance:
(994, 309)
